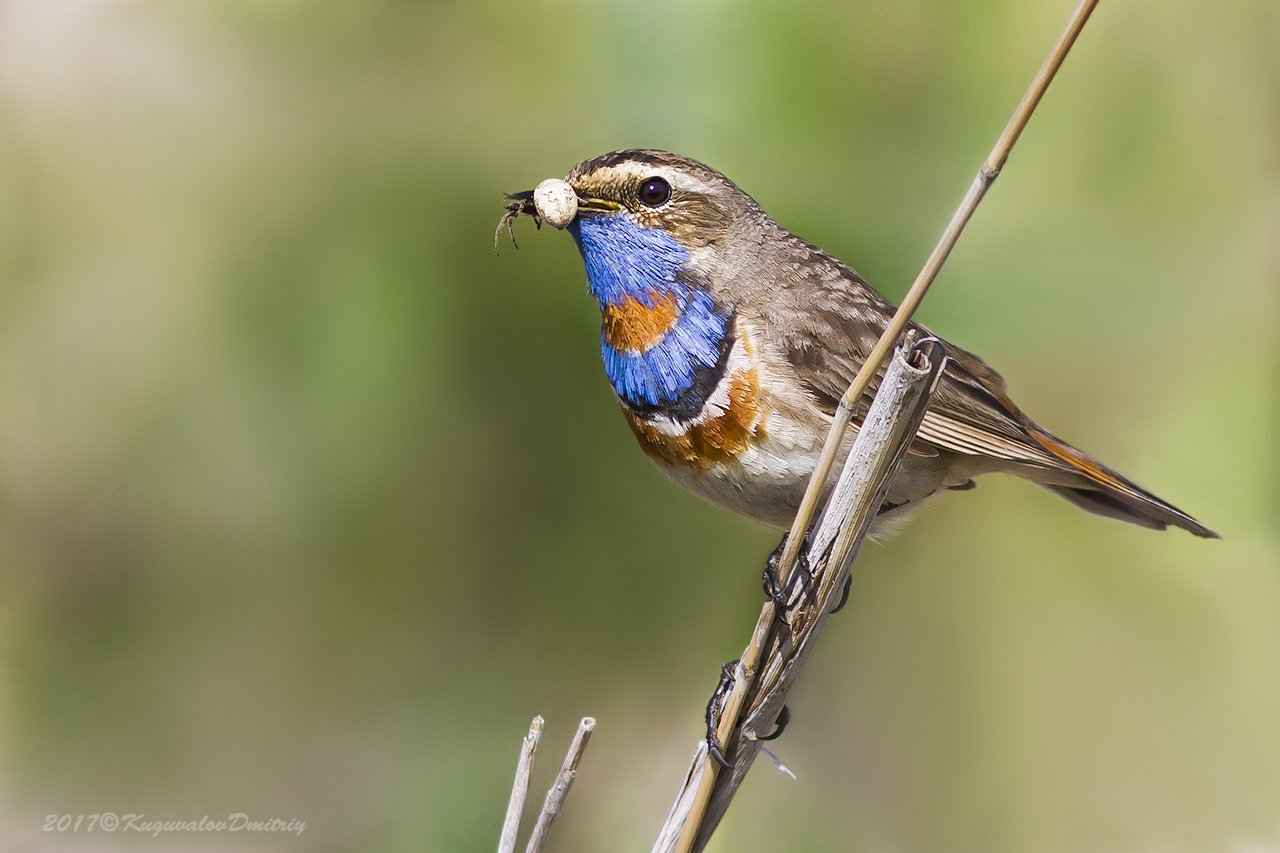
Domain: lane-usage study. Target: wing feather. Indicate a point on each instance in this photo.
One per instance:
(827, 320)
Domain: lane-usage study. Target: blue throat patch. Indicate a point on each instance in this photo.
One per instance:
(626, 261)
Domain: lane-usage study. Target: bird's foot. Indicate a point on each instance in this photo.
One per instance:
(801, 578)
(715, 708)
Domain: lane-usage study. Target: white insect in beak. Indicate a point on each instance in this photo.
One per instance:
(556, 202)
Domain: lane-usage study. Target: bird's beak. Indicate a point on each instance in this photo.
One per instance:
(590, 206)
(522, 204)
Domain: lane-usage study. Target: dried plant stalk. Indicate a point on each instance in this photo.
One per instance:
(520, 787)
(560, 789)
(888, 429)
(689, 811)
(986, 177)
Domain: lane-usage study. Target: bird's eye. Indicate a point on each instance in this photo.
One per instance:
(654, 192)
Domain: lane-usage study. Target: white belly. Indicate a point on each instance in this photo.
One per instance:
(755, 445)
(767, 480)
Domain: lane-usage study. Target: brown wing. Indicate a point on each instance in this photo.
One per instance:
(973, 414)
(824, 319)
(829, 323)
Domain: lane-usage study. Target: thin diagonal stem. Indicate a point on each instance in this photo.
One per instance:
(560, 789)
(986, 177)
(520, 787)
(696, 793)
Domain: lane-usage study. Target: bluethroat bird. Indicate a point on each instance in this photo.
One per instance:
(729, 341)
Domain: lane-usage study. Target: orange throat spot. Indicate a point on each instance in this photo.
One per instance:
(633, 326)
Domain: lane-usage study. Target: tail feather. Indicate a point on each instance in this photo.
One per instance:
(1105, 492)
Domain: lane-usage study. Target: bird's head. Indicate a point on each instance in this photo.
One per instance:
(657, 232)
(693, 203)
(643, 217)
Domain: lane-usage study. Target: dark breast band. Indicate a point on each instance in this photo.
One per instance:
(706, 379)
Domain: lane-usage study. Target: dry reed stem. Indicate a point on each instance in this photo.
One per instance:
(520, 787)
(889, 427)
(557, 793)
(986, 177)
(695, 794)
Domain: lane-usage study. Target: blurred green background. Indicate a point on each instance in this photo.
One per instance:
(308, 502)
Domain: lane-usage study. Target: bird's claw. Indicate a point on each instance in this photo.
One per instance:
(779, 725)
(772, 586)
(715, 707)
(844, 595)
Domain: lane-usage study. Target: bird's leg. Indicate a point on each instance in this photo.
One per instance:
(715, 707)
(773, 590)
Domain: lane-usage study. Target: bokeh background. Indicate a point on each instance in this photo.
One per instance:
(308, 502)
